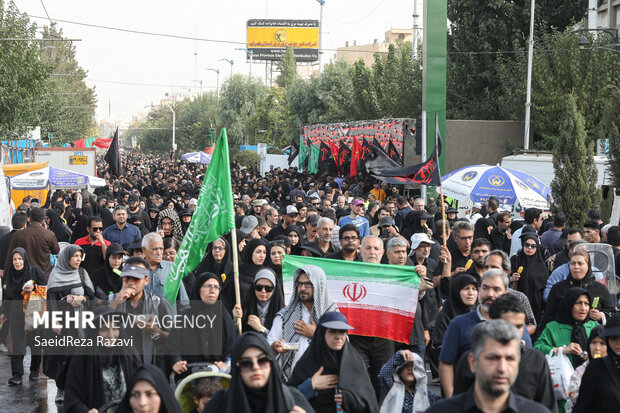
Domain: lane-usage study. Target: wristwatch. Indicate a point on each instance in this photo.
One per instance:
(155, 336)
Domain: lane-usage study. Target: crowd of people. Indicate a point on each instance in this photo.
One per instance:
(496, 296)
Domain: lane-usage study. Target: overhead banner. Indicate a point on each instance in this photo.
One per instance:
(267, 39)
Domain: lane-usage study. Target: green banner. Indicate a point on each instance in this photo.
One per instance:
(313, 165)
(302, 154)
(214, 216)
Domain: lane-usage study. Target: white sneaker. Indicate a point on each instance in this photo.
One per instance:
(3, 348)
(60, 396)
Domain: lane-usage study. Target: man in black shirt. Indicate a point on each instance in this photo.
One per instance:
(494, 359)
(349, 236)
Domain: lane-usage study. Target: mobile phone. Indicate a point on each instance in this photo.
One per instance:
(595, 302)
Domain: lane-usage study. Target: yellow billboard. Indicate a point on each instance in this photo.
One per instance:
(267, 39)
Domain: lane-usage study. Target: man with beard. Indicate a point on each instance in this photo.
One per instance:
(134, 210)
(349, 237)
(324, 241)
(457, 340)
(94, 246)
(122, 232)
(500, 235)
(494, 359)
(480, 248)
(312, 231)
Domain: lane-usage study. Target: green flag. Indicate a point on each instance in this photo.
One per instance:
(302, 154)
(313, 165)
(214, 216)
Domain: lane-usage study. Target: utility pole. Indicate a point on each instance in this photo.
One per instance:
(528, 98)
(217, 85)
(322, 3)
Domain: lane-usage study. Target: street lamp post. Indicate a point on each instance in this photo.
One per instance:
(174, 120)
(217, 85)
(249, 52)
(528, 98)
(232, 62)
(200, 83)
(322, 3)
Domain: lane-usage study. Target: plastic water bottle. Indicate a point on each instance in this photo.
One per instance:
(339, 408)
(226, 367)
(111, 296)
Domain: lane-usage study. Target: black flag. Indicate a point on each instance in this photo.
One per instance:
(112, 157)
(325, 154)
(344, 159)
(294, 150)
(426, 173)
(393, 152)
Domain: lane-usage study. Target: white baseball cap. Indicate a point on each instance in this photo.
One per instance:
(417, 239)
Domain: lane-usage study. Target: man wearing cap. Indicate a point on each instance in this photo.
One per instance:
(388, 230)
(289, 219)
(94, 246)
(249, 227)
(122, 232)
(500, 235)
(257, 207)
(148, 338)
(381, 213)
(193, 203)
(475, 213)
(356, 217)
(312, 231)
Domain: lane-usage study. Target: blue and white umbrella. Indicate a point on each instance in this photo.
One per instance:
(478, 182)
(197, 157)
(55, 178)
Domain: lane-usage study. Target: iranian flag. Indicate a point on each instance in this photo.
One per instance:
(379, 300)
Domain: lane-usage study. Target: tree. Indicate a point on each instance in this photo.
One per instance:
(574, 184)
(267, 123)
(68, 108)
(287, 67)
(239, 100)
(483, 32)
(611, 123)
(22, 74)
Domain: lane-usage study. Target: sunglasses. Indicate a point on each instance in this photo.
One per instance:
(528, 245)
(306, 284)
(97, 229)
(247, 365)
(267, 288)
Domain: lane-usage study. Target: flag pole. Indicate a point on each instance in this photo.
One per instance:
(443, 218)
(235, 257)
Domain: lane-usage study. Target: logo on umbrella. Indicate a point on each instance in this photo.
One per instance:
(469, 176)
(36, 174)
(496, 180)
(532, 183)
(522, 185)
(354, 292)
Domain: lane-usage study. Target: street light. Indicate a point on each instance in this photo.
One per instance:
(232, 62)
(322, 3)
(200, 83)
(528, 98)
(217, 85)
(249, 52)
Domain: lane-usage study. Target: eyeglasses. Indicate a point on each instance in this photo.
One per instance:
(218, 248)
(212, 287)
(306, 284)
(528, 245)
(471, 237)
(315, 204)
(267, 288)
(96, 229)
(347, 238)
(247, 365)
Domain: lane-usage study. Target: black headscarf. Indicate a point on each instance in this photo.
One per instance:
(208, 263)
(251, 304)
(14, 281)
(585, 281)
(154, 376)
(594, 333)
(481, 228)
(297, 230)
(84, 386)
(565, 316)
(357, 391)
(57, 226)
(275, 397)
(534, 275)
(105, 278)
(454, 303)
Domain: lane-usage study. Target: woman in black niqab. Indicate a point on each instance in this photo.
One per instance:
(274, 397)
(357, 391)
(156, 378)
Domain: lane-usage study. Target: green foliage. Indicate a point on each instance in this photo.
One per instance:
(267, 123)
(245, 158)
(611, 124)
(22, 74)
(288, 68)
(574, 184)
(68, 108)
(484, 32)
(239, 100)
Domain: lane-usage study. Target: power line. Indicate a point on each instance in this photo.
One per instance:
(174, 36)
(144, 84)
